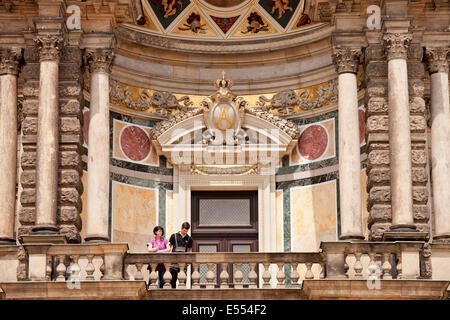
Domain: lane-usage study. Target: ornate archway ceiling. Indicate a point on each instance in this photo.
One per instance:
(224, 19)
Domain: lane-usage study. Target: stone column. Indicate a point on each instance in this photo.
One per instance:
(49, 46)
(396, 46)
(440, 140)
(99, 61)
(346, 61)
(9, 66)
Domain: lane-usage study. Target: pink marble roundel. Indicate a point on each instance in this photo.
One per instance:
(362, 125)
(86, 118)
(135, 143)
(313, 142)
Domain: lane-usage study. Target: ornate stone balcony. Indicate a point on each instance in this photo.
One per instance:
(356, 270)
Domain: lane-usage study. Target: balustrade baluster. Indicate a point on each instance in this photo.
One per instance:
(280, 275)
(386, 266)
(126, 275)
(48, 270)
(238, 276)
(322, 271)
(153, 279)
(102, 267)
(295, 276)
(210, 276)
(167, 277)
(399, 265)
(266, 276)
(75, 268)
(195, 276)
(139, 275)
(90, 268)
(372, 266)
(224, 276)
(346, 267)
(309, 274)
(252, 276)
(61, 269)
(182, 276)
(358, 267)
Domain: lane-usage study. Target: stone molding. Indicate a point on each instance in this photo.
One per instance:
(9, 61)
(396, 45)
(99, 60)
(346, 60)
(437, 58)
(49, 46)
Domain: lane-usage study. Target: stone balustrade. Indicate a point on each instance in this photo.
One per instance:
(228, 270)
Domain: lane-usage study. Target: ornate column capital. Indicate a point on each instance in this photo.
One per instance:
(9, 61)
(99, 60)
(396, 45)
(49, 46)
(437, 58)
(346, 60)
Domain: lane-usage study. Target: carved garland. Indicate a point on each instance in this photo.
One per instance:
(165, 103)
(285, 101)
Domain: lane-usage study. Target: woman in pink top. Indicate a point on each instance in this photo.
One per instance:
(158, 244)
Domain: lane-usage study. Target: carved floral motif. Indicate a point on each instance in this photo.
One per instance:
(437, 59)
(99, 60)
(9, 61)
(49, 46)
(396, 45)
(346, 60)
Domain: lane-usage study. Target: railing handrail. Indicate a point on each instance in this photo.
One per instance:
(224, 257)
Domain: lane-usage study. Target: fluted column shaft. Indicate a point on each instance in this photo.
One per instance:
(49, 46)
(440, 140)
(396, 46)
(98, 150)
(347, 61)
(9, 65)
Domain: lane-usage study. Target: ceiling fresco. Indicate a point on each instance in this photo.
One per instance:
(223, 19)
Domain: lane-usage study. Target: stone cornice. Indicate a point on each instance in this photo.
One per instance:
(9, 61)
(396, 45)
(346, 60)
(49, 46)
(99, 60)
(437, 58)
(219, 47)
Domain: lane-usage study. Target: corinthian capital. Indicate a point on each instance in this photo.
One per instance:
(396, 45)
(9, 61)
(99, 60)
(346, 60)
(437, 58)
(49, 46)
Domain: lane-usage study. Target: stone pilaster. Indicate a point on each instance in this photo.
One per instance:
(346, 61)
(9, 67)
(99, 61)
(69, 165)
(438, 66)
(377, 138)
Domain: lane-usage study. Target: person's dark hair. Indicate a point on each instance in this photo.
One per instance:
(155, 230)
(185, 225)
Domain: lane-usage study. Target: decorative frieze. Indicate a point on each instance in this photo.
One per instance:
(437, 59)
(9, 61)
(49, 46)
(346, 60)
(99, 60)
(396, 45)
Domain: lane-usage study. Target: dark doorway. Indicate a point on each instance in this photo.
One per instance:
(225, 221)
